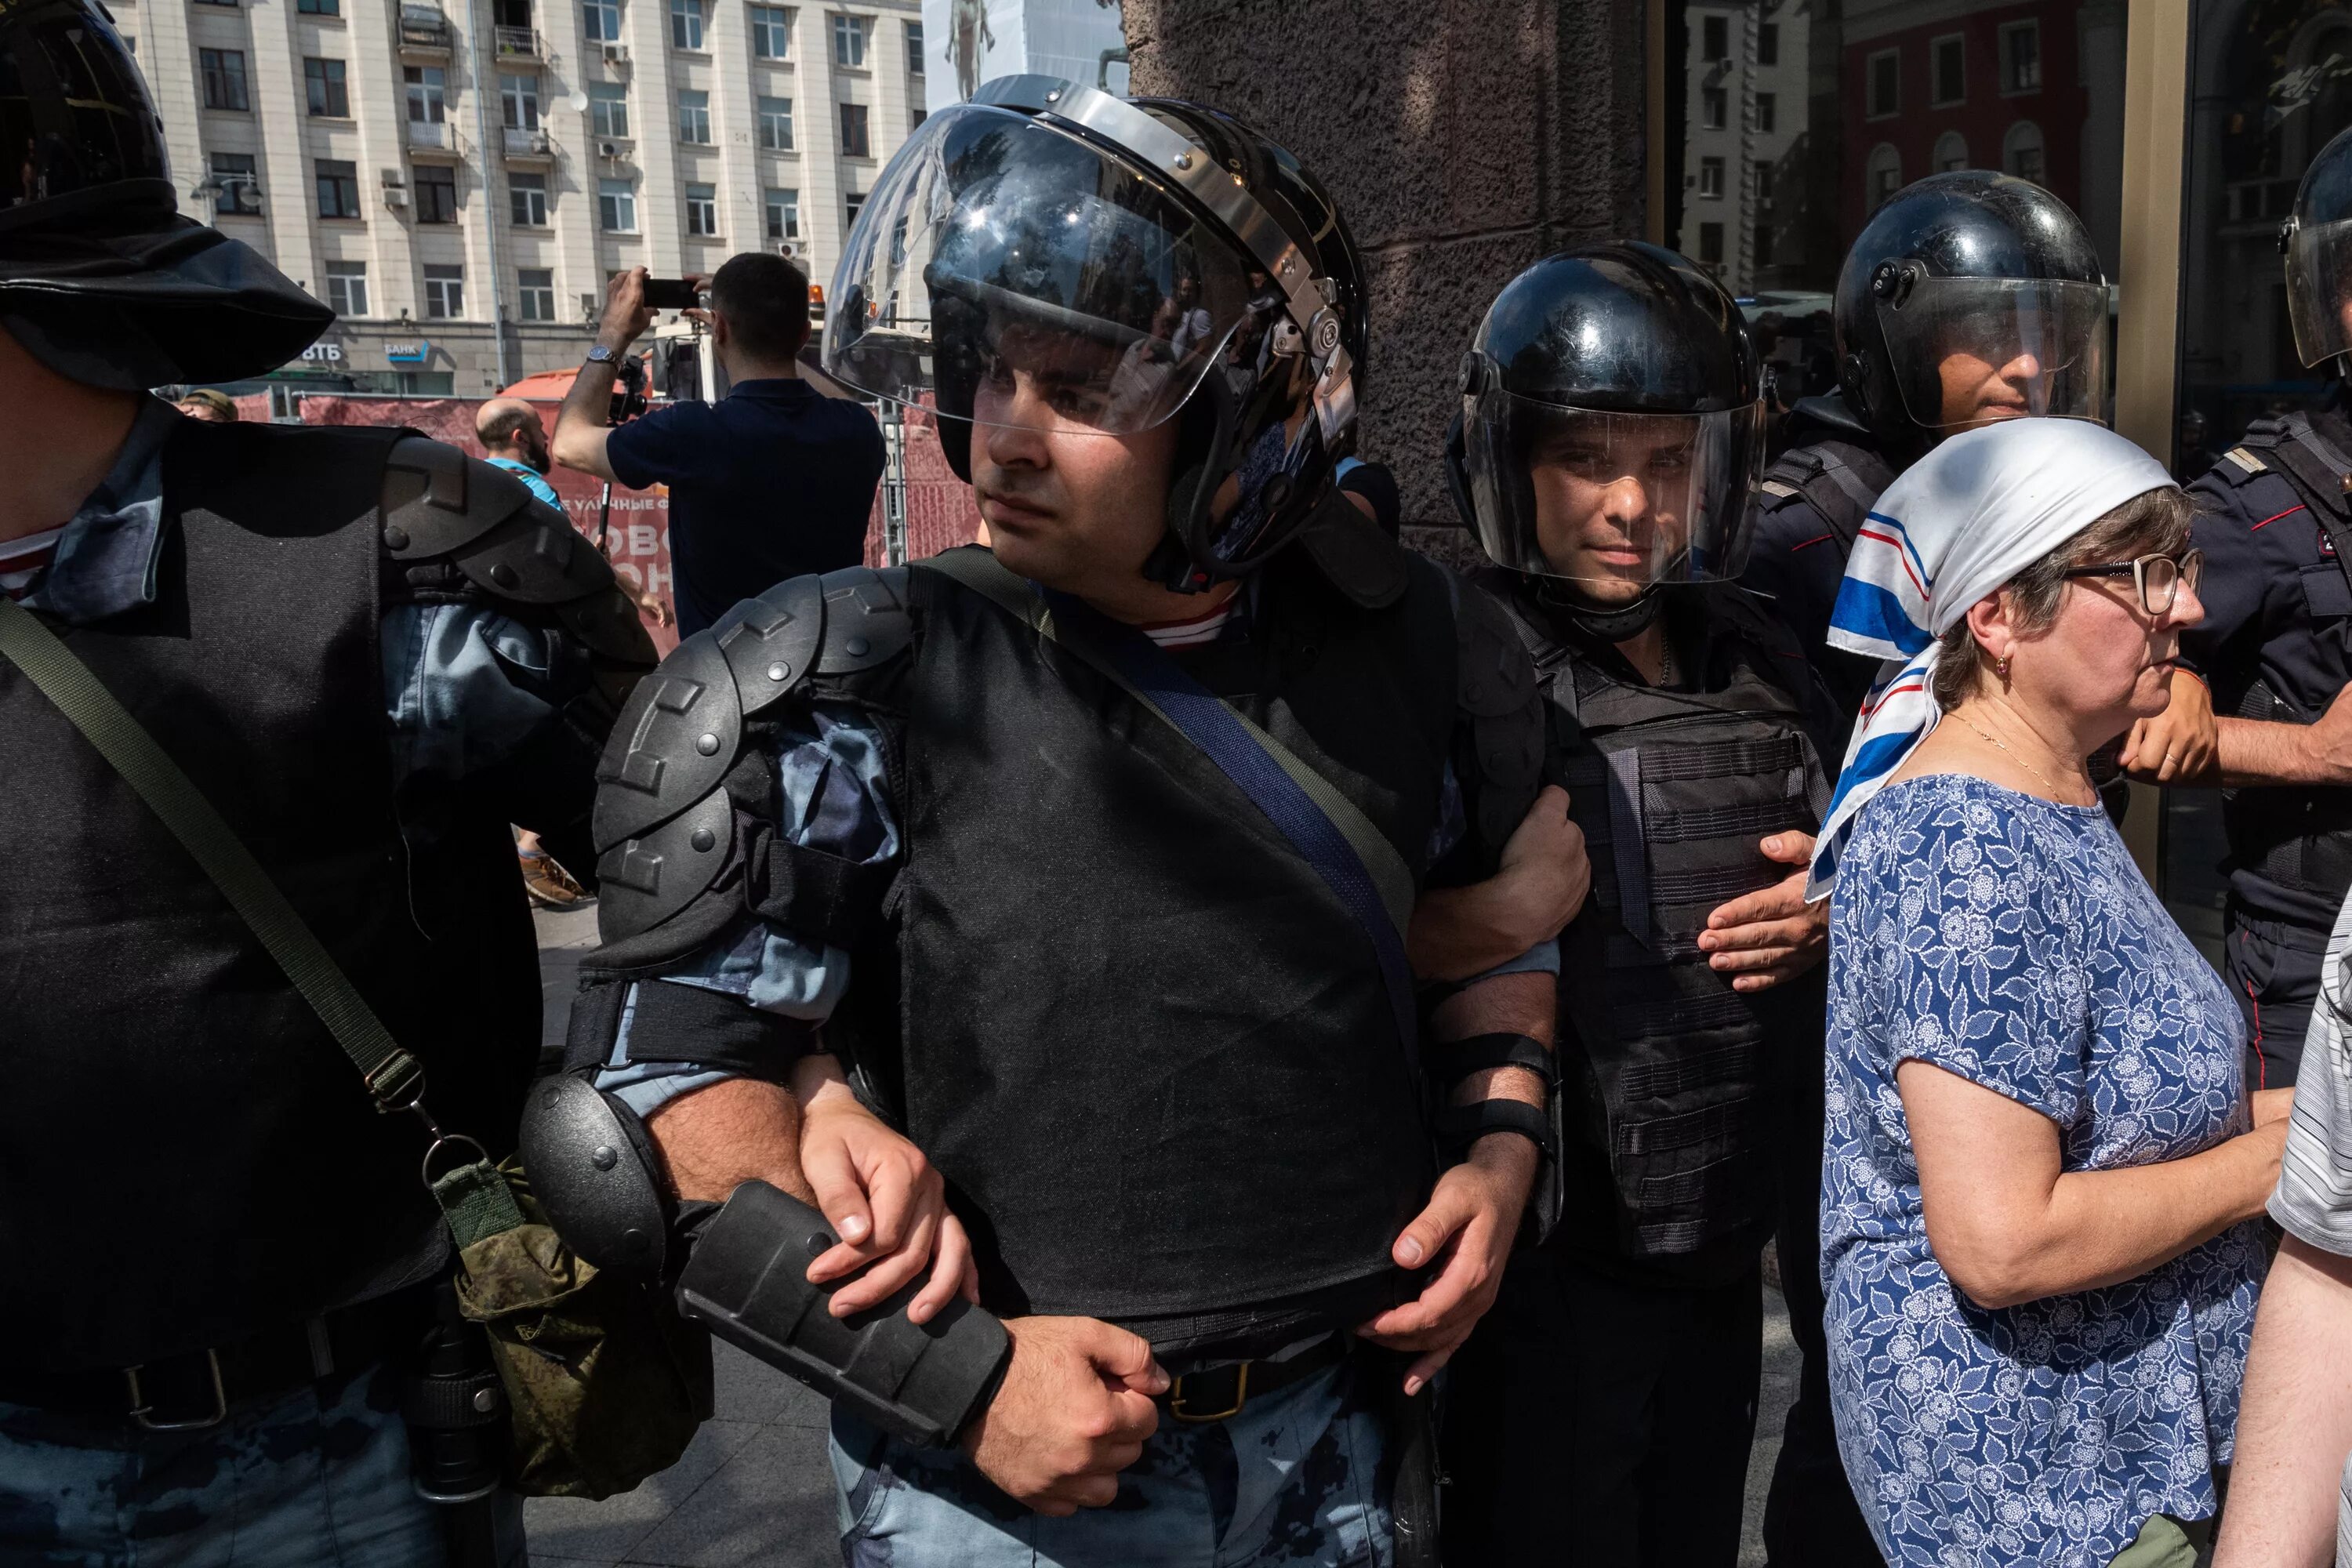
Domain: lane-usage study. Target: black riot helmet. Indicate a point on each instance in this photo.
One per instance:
(1958, 280)
(1611, 425)
(2318, 240)
(100, 278)
(1123, 252)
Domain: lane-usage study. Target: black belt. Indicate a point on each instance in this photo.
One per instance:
(1219, 1393)
(195, 1388)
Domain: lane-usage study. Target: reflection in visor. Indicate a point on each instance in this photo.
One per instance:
(73, 112)
(1016, 274)
(2319, 291)
(1966, 351)
(1614, 502)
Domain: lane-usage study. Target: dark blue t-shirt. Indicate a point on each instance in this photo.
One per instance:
(772, 481)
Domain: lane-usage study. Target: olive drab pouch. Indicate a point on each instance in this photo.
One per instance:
(604, 1384)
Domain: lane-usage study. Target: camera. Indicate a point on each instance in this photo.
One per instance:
(628, 391)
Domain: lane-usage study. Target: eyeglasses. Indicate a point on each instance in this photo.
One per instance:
(2158, 578)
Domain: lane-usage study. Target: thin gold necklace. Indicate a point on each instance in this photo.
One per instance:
(2047, 781)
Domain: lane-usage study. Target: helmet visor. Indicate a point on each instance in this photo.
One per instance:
(1007, 272)
(2319, 289)
(1612, 502)
(1966, 351)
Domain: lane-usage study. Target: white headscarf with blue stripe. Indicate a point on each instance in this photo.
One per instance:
(1959, 524)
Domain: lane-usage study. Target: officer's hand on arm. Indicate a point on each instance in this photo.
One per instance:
(1072, 1411)
(580, 428)
(2178, 745)
(1771, 934)
(886, 1202)
(2255, 751)
(1473, 1215)
(1458, 933)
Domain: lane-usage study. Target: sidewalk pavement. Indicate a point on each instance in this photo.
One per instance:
(755, 1487)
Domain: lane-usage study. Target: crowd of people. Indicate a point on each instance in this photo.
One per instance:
(1212, 1038)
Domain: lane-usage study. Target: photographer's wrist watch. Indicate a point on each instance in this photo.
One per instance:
(600, 354)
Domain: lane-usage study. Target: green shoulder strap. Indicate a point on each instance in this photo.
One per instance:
(981, 571)
(393, 1075)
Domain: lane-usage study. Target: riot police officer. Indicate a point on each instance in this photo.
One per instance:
(1097, 858)
(1611, 427)
(1968, 296)
(2272, 516)
(371, 654)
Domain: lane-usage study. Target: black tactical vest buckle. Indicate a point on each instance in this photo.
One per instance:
(142, 1409)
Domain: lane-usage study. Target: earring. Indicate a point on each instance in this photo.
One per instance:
(2001, 667)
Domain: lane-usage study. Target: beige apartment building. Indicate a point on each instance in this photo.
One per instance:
(459, 179)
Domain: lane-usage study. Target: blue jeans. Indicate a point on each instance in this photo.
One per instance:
(315, 1478)
(1298, 1477)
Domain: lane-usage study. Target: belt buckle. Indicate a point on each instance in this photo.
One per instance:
(140, 1407)
(1194, 1418)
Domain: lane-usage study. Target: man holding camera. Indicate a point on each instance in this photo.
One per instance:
(727, 463)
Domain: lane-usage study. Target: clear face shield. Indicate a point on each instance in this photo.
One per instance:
(1968, 351)
(2319, 289)
(1010, 273)
(1611, 502)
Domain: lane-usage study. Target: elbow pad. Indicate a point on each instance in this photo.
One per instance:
(747, 1282)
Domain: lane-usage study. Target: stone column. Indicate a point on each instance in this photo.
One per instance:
(1463, 138)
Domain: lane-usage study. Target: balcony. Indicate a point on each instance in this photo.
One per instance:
(433, 138)
(518, 44)
(424, 29)
(528, 146)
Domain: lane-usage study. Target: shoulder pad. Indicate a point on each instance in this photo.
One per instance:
(645, 879)
(770, 643)
(866, 619)
(673, 744)
(1494, 675)
(436, 499)
(1356, 554)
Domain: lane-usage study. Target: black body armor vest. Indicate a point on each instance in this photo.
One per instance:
(185, 1155)
(1663, 1066)
(2299, 839)
(1840, 480)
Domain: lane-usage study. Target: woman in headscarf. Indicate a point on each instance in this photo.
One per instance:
(2042, 1169)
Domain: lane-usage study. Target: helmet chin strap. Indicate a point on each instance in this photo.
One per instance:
(1610, 625)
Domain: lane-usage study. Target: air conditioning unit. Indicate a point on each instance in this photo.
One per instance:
(394, 197)
(616, 54)
(608, 149)
(785, 248)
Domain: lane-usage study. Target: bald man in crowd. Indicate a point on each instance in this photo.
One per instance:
(512, 438)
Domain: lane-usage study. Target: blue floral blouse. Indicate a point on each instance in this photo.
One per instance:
(2012, 940)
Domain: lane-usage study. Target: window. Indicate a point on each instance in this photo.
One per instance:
(771, 32)
(1763, 245)
(1716, 32)
(1883, 84)
(914, 48)
(1710, 177)
(1948, 70)
(1882, 176)
(224, 74)
(1714, 106)
(437, 194)
(347, 288)
(526, 196)
(1767, 43)
(608, 109)
(445, 292)
(694, 117)
(1951, 152)
(776, 124)
(519, 101)
(1768, 112)
(537, 287)
(783, 213)
(428, 90)
(2020, 152)
(849, 41)
(702, 211)
(2020, 58)
(339, 189)
(685, 24)
(1763, 176)
(600, 21)
(1710, 244)
(853, 131)
(319, 7)
(331, 95)
(228, 3)
(616, 206)
(236, 187)
(916, 115)
(850, 204)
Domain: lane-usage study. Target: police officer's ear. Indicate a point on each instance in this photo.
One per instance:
(1457, 472)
